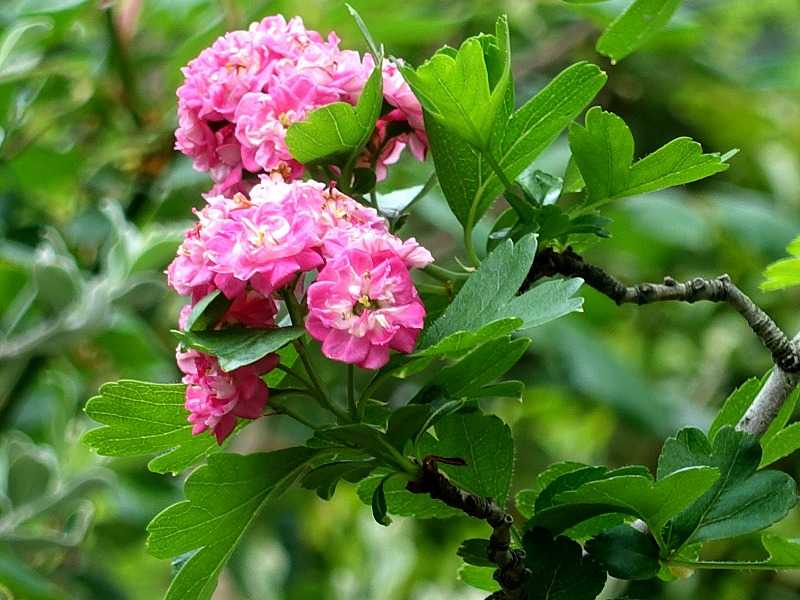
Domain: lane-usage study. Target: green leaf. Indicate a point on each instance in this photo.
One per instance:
(475, 552)
(485, 444)
(735, 406)
(603, 150)
(20, 581)
(469, 183)
(465, 91)
(635, 26)
(504, 389)
(481, 366)
(222, 499)
(401, 502)
(626, 553)
(559, 570)
(785, 272)
(489, 295)
(784, 414)
(456, 344)
(406, 423)
(782, 554)
(236, 347)
(142, 418)
(379, 509)
(335, 133)
(325, 478)
(655, 502)
(743, 500)
(481, 578)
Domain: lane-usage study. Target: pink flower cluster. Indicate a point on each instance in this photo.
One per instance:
(362, 304)
(241, 94)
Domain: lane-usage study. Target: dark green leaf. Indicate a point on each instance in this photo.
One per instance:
(370, 439)
(559, 570)
(475, 552)
(626, 553)
(743, 500)
(379, 509)
(406, 422)
(207, 311)
(238, 346)
(401, 502)
(325, 478)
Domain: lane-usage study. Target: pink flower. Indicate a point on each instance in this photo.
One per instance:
(397, 93)
(216, 399)
(363, 305)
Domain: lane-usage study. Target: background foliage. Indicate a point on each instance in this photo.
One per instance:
(93, 200)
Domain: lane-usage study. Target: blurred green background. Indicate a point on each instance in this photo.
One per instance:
(93, 201)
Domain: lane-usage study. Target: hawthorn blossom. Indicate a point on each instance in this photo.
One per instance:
(216, 399)
(241, 94)
(362, 306)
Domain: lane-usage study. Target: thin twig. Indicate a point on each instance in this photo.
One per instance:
(720, 289)
(511, 571)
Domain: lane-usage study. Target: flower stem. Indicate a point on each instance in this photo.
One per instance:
(351, 393)
(281, 408)
(293, 373)
(443, 275)
(295, 314)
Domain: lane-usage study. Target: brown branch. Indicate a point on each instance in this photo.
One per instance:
(550, 262)
(511, 571)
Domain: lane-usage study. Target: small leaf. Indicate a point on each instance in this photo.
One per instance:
(142, 418)
(370, 439)
(379, 509)
(236, 347)
(735, 406)
(742, 501)
(325, 478)
(475, 552)
(207, 311)
(559, 570)
(223, 499)
(401, 502)
(526, 499)
(461, 91)
(635, 26)
(481, 578)
(785, 272)
(603, 150)
(626, 553)
(784, 443)
(335, 133)
(406, 423)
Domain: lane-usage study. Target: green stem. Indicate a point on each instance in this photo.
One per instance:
(373, 385)
(351, 392)
(295, 314)
(444, 275)
(281, 408)
(470, 247)
(290, 371)
(498, 170)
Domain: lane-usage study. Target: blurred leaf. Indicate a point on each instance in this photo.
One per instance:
(236, 347)
(626, 553)
(559, 571)
(19, 579)
(146, 418)
(635, 26)
(337, 132)
(485, 443)
(603, 150)
(785, 272)
(743, 500)
(223, 498)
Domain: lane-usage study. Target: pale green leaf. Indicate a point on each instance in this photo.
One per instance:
(635, 26)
